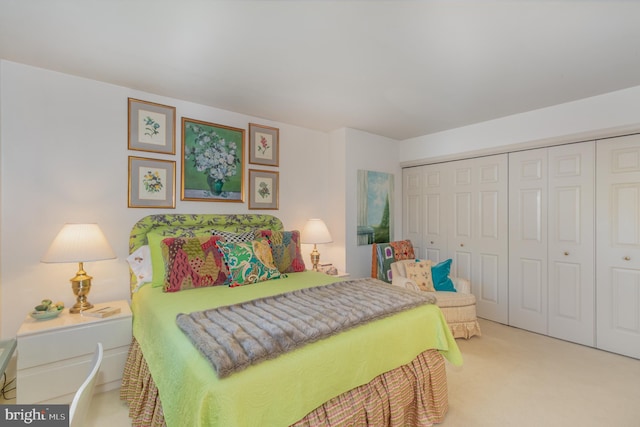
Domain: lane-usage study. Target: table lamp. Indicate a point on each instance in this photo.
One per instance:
(315, 231)
(79, 243)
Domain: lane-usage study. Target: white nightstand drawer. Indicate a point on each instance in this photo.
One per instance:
(43, 348)
(57, 382)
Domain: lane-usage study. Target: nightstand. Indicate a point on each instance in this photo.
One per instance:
(54, 355)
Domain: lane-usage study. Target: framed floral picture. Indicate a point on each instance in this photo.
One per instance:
(151, 183)
(152, 127)
(264, 145)
(263, 189)
(212, 162)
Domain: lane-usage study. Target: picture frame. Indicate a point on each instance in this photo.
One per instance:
(264, 145)
(212, 162)
(264, 188)
(152, 127)
(152, 183)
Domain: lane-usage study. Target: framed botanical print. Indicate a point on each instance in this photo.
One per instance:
(151, 183)
(212, 162)
(264, 145)
(263, 189)
(152, 127)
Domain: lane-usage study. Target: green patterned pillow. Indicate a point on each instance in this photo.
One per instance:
(249, 262)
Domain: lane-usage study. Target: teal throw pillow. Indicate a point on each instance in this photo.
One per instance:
(440, 275)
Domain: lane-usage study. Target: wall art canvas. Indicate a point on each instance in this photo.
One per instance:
(212, 162)
(375, 198)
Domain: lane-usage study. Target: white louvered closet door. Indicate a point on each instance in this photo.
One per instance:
(618, 245)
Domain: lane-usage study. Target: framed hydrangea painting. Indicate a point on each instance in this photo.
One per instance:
(212, 162)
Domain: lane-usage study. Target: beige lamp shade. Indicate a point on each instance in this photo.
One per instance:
(79, 243)
(315, 231)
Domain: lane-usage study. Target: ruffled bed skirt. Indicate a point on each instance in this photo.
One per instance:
(465, 329)
(414, 394)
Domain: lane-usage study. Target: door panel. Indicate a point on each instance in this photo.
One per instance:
(412, 207)
(618, 251)
(479, 242)
(436, 196)
(571, 242)
(528, 240)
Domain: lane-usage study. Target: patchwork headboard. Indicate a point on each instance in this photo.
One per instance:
(192, 224)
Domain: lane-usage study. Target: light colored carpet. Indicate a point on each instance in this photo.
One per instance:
(512, 378)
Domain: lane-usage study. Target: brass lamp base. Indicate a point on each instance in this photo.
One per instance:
(315, 257)
(81, 285)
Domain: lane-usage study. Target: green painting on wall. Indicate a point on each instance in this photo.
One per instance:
(375, 198)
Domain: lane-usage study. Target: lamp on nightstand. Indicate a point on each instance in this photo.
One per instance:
(79, 243)
(315, 231)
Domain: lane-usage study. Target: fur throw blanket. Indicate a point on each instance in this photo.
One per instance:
(237, 336)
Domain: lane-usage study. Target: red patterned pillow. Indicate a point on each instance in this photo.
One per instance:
(402, 249)
(285, 247)
(193, 262)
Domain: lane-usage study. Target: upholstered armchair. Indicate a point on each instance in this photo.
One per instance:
(458, 308)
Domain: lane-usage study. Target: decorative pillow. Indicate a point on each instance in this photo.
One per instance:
(420, 272)
(193, 262)
(231, 237)
(402, 249)
(155, 239)
(140, 263)
(250, 262)
(285, 247)
(441, 280)
(385, 259)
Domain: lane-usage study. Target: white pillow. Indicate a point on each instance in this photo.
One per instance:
(140, 263)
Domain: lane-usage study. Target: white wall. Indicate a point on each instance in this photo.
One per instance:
(366, 151)
(64, 158)
(611, 114)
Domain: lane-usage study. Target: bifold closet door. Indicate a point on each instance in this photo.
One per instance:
(571, 250)
(478, 242)
(436, 195)
(412, 183)
(528, 240)
(618, 248)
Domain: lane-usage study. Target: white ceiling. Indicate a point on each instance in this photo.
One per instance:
(394, 68)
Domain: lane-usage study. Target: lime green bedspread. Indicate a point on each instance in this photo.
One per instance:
(281, 391)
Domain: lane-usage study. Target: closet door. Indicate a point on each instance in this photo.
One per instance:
(412, 211)
(437, 183)
(478, 242)
(571, 251)
(618, 251)
(528, 240)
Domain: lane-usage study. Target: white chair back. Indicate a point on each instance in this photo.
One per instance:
(82, 399)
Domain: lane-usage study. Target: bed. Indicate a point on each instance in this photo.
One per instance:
(368, 375)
